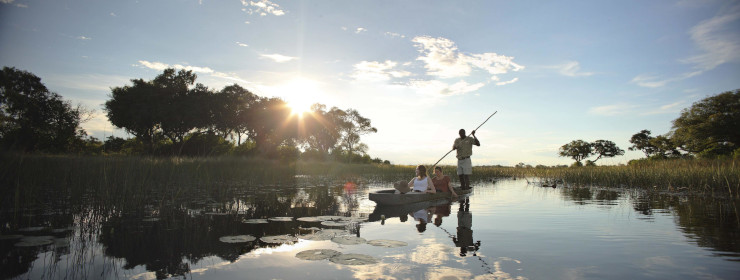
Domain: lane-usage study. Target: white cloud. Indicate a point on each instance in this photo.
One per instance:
(279, 57)
(6, 1)
(84, 38)
(442, 59)
(571, 69)
(204, 70)
(719, 40)
(394, 35)
(377, 71)
(113, 14)
(242, 44)
(435, 87)
(262, 8)
(360, 30)
(612, 110)
(96, 82)
(161, 66)
(507, 82)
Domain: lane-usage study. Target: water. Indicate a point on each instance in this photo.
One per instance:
(504, 230)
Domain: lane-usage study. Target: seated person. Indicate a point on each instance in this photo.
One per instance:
(442, 182)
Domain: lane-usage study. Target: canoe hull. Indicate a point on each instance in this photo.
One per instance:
(389, 197)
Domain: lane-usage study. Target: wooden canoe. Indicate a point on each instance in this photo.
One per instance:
(390, 197)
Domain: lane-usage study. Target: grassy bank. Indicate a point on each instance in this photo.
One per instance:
(717, 177)
(118, 175)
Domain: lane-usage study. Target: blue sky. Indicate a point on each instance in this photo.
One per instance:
(555, 71)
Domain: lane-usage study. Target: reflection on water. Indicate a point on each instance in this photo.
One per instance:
(519, 232)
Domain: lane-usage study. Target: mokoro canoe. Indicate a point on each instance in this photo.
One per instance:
(390, 197)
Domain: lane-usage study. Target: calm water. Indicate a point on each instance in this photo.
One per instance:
(504, 230)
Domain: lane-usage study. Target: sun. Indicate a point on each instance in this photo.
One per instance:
(299, 107)
(300, 94)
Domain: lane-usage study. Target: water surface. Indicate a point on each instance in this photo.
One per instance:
(505, 230)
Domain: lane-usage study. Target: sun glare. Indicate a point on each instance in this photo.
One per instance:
(300, 93)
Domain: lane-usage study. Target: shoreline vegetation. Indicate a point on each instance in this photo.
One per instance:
(25, 175)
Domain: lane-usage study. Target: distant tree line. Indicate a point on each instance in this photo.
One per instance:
(174, 115)
(710, 128)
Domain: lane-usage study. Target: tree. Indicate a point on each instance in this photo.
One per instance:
(325, 128)
(34, 119)
(710, 126)
(641, 141)
(231, 111)
(576, 149)
(135, 108)
(605, 148)
(354, 126)
(272, 125)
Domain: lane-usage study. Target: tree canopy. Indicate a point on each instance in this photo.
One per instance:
(710, 126)
(34, 119)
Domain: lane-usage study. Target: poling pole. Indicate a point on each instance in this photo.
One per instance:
(471, 133)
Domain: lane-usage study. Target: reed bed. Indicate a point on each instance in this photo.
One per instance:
(704, 176)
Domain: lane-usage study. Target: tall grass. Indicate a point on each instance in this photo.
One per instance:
(716, 177)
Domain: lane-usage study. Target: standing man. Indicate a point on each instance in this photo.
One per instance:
(464, 147)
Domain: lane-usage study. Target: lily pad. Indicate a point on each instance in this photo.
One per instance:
(387, 243)
(33, 241)
(255, 221)
(318, 254)
(279, 239)
(334, 223)
(334, 232)
(28, 229)
(237, 239)
(309, 219)
(348, 240)
(150, 220)
(281, 219)
(61, 230)
(353, 259)
(12, 236)
(330, 218)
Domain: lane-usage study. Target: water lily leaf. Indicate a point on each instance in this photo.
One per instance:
(330, 218)
(279, 239)
(387, 243)
(353, 259)
(27, 229)
(334, 223)
(237, 239)
(334, 232)
(309, 219)
(255, 221)
(150, 220)
(33, 241)
(9, 237)
(281, 219)
(318, 254)
(348, 240)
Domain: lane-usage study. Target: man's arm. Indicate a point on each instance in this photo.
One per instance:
(477, 143)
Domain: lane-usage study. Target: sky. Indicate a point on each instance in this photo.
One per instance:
(554, 71)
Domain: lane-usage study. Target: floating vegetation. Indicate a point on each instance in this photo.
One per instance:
(237, 239)
(331, 218)
(152, 219)
(387, 243)
(353, 259)
(309, 219)
(334, 223)
(34, 241)
(255, 221)
(30, 229)
(334, 232)
(348, 240)
(10, 237)
(316, 236)
(279, 239)
(280, 219)
(317, 254)
(62, 230)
